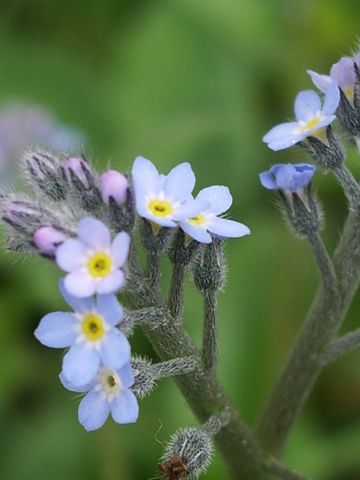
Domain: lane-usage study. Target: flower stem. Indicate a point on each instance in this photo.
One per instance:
(341, 346)
(209, 345)
(280, 471)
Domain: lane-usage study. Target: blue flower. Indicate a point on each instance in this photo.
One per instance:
(108, 393)
(93, 261)
(164, 199)
(89, 332)
(217, 200)
(288, 177)
(342, 73)
(311, 119)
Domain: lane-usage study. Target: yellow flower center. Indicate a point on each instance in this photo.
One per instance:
(160, 208)
(93, 327)
(99, 265)
(198, 220)
(310, 124)
(110, 381)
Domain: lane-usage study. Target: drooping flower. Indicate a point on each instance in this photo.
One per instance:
(93, 261)
(108, 394)
(311, 119)
(342, 73)
(285, 176)
(91, 334)
(199, 226)
(164, 199)
(113, 184)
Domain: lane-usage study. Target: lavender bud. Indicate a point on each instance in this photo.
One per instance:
(187, 455)
(25, 217)
(82, 182)
(113, 184)
(43, 171)
(78, 168)
(47, 239)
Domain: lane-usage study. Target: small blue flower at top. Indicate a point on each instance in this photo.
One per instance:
(91, 334)
(108, 393)
(311, 119)
(287, 177)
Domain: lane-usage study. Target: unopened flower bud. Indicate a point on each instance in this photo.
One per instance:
(77, 167)
(113, 184)
(82, 183)
(47, 239)
(209, 267)
(24, 216)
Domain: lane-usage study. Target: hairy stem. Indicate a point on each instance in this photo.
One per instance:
(209, 346)
(176, 300)
(280, 471)
(340, 346)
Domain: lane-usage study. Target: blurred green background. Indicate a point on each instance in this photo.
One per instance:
(188, 80)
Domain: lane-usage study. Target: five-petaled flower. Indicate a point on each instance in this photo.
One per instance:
(93, 261)
(287, 177)
(91, 334)
(217, 200)
(342, 72)
(108, 393)
(311, 119)
(164, 199)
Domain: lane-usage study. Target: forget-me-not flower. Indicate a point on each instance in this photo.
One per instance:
(288, 177)
(91, 334)
(93, 261)
(108, 394)
(311, 119)
(164, 199)
(218, 199)
(342, 72)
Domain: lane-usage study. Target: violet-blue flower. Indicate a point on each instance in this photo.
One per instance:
(288, 177)
(342, 73)
(91, 334)
(207, 221)
(311, 119)
(164, 199)
(109, 393)
(93, 261)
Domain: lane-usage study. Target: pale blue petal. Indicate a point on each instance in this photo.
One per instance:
(124, 407)
(80, 305)
(94, 233)
(164, 222)
(343, 72)
(109, 307)
(120, 248)
(70, 255)
(267, 180)
(197, 233)
(284, 130)
(93, 411)
(126, 375)
(307, 104)
(115, 350)
(322, 82)
(218, 196)
(57, 330)
(75, 388)
(79, 284)
(332, 99)
(190, 209)
(284, 175)
(179, 183)
(81, 364)
(286, 142)
(145, 177)
(228, 228)
(112, 282)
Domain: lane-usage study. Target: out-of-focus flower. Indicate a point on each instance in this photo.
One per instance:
(200, 226)
(288, 177)
(113, 184)
(164, 199)
(93, 261)
(108, 394)
(342, 73)
(311, 119)
(89, 332)
(23, 125)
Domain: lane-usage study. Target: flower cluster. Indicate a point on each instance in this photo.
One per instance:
(167, 200)
(84, 224)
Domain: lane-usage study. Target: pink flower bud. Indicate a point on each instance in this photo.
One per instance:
(113, 184)
(47, 239)
(77, 166)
